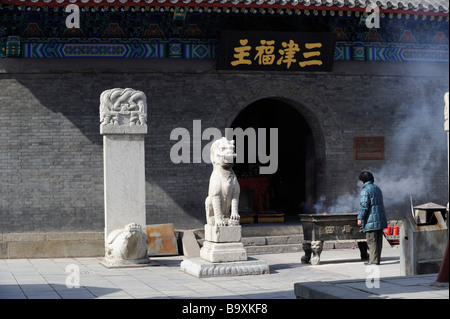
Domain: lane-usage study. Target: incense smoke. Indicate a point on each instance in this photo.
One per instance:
(418, 151)
(414, 153)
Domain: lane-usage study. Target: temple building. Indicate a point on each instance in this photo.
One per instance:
(347, 84)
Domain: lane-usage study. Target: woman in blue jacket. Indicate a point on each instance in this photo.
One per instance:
(371, 216)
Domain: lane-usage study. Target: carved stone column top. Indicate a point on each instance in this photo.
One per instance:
(123, 111)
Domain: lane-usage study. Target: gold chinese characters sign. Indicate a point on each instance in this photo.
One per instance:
(276, 51)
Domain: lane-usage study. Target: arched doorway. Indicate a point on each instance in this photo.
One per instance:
(292, 187)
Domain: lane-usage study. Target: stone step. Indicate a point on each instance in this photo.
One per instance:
(270, 244)
(267, 237)
(280, 248)
(275, 238)
(294, 247)
(261, 230)
(279, 244)
(272, 240)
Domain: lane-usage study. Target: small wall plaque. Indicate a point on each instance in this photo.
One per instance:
(368, 148)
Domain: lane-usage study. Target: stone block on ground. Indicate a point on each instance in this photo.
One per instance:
(189, 244)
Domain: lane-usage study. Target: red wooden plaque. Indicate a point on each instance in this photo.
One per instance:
(368, 148)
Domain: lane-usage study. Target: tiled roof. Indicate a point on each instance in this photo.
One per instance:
(436, 6)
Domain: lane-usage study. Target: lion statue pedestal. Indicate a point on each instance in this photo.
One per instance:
(222, 253)
(223, 244)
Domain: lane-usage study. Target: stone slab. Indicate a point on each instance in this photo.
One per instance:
(124, 181)
(281, 240)
(265, 230)
(189, 244)
(223, 252)
(201, 268)
(325, 290)
(273, 249)
(254, 241)
(222, 234)
(398, 287)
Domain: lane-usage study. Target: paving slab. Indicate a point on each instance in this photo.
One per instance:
(341, 274)
(402, 287)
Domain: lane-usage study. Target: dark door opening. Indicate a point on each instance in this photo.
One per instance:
(292, 186)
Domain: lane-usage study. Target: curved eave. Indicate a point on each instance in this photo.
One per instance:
(413, 7)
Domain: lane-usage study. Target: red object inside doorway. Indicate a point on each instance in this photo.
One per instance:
(260, 188)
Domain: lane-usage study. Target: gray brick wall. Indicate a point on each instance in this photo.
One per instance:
(51, 164)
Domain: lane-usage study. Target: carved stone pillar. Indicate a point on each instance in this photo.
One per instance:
(123, 117)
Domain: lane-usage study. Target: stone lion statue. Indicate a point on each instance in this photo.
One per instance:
(129, 243)
(223, 195)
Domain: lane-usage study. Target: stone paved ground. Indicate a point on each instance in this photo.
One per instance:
(51, 278)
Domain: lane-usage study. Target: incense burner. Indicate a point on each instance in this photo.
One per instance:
(318, 228)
